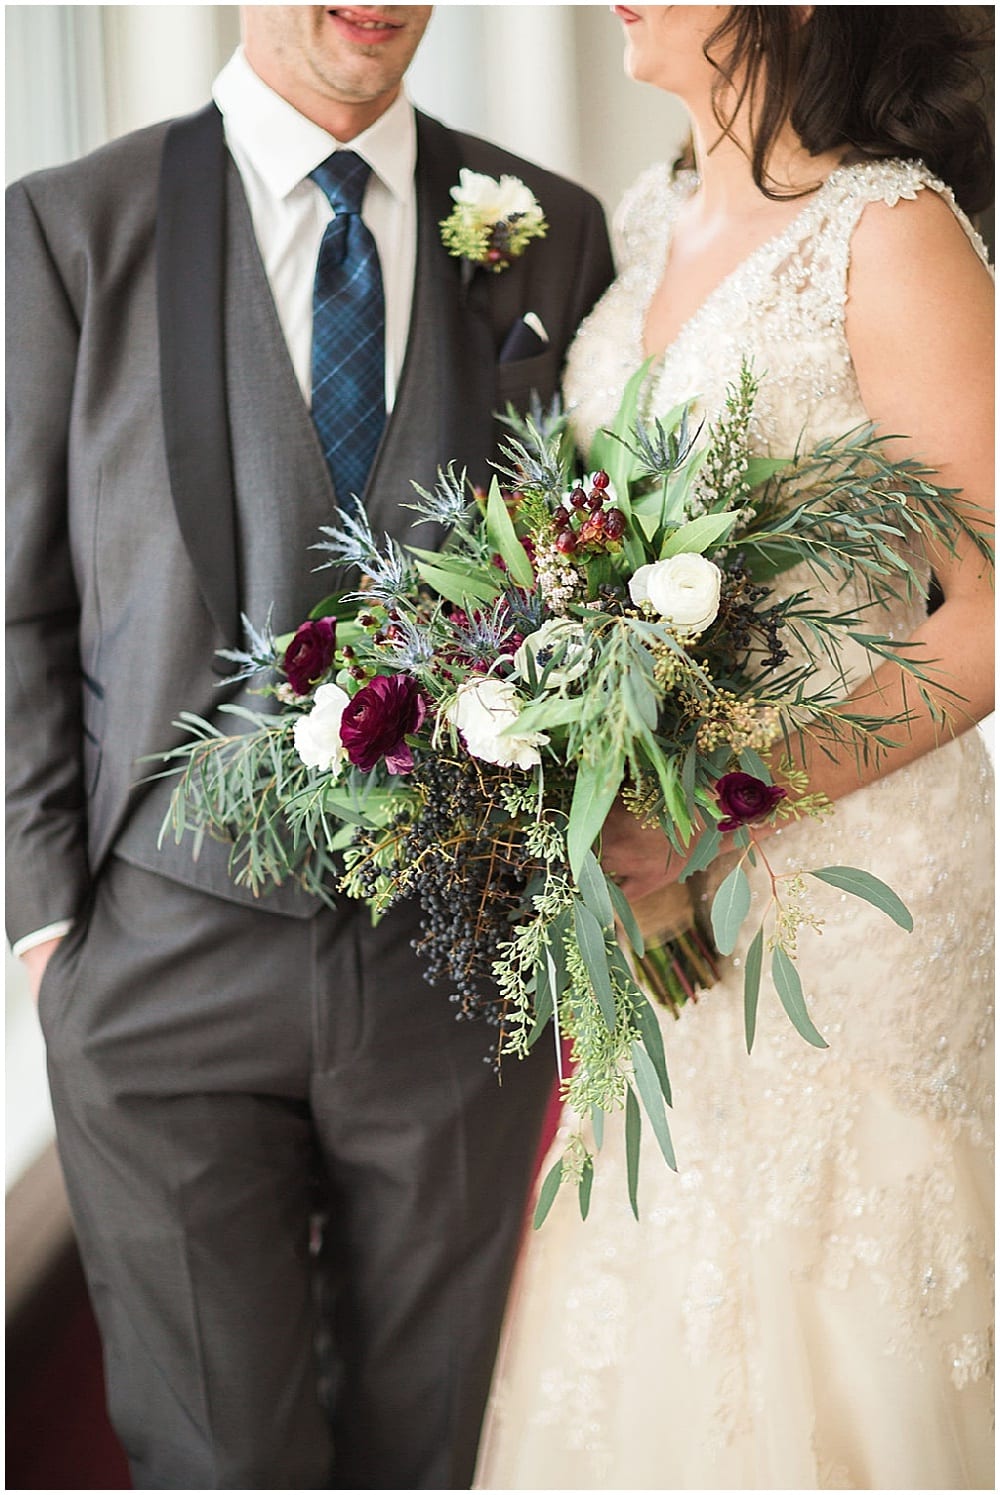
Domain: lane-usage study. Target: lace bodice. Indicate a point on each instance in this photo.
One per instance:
(782, 306)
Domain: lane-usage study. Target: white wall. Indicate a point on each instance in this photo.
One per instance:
(544, 80)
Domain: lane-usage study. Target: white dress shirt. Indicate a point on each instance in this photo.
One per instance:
(275, 148)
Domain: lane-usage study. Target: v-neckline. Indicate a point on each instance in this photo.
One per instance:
(690, 183)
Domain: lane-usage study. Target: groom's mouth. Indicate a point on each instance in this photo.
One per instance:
(626, 16)
(365, 25)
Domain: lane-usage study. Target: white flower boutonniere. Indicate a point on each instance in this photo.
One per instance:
(492, 221)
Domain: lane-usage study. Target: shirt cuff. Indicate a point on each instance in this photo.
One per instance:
(39, 936)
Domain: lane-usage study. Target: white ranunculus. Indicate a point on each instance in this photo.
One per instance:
(684, 590)
(481, 711)
(494, 200)
(557, 638)
(317, 735)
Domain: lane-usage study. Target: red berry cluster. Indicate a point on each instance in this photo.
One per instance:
(596, 526)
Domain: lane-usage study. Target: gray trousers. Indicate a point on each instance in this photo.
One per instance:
(215, 1072)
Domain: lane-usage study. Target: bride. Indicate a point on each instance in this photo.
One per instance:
(807, 1303)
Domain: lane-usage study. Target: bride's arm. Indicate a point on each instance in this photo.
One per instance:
(920, 331)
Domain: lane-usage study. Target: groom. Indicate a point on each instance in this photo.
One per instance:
(202, 361)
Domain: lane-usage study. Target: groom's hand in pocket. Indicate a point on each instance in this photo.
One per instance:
(35, 960)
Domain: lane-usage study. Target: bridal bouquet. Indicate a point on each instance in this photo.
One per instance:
(457, 727)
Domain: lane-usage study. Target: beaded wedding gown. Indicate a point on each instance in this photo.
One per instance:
(807, 1302)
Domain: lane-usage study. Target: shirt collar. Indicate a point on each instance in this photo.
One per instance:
(284, 147)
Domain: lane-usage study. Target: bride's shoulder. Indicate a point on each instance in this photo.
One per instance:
(894, 208)
(644, 214)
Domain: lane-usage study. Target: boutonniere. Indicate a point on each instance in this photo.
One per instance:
(492, 221)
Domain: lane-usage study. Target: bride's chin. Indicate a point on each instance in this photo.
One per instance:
(643, 65)
(636, 67)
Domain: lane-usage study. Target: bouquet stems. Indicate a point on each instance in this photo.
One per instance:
(680, 957)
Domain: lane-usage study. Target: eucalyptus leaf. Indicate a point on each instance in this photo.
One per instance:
(688, 773)
(547, 1193)
(590, 937)
(705, 851)
(593, 887)
(543, 994)
(640, 699)
(586, 1184)
(593, 795)
(679, 824)
(871, 889)
(542, 715)
(789, 989)
(597, 1126)
(627, 919)
(624, 980)
(652, 1037)
(633, 1134)
(557, 954)
(729, 908)
(537, 1029)
(751, 986)
(753, 763)
(648, 1083)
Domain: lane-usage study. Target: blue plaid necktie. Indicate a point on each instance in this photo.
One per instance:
(348, 347)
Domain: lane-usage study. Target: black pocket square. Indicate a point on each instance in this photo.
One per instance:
(522, 341)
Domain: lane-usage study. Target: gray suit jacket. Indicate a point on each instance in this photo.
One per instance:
(153, 429)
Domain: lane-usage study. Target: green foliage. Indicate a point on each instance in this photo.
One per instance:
(729, 908)
(789, 988)
(633, 1134)
(503, 537)
(585, 1185)
(547, 1193)
(871, 889)
(648, 1085)
(656, 718)
(751, 985)
(252, 792)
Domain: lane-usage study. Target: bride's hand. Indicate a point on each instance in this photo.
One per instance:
(638, 858)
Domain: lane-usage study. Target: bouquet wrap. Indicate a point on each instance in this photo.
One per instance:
(679, 959)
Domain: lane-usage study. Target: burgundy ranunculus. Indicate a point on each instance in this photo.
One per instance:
(377, 721)
(744, 799)
(310, 654)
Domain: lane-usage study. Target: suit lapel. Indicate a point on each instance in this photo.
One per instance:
(450, 321)
(190, 257)
(466, 364)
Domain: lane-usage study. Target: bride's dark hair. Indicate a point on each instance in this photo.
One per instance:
(878, 80)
